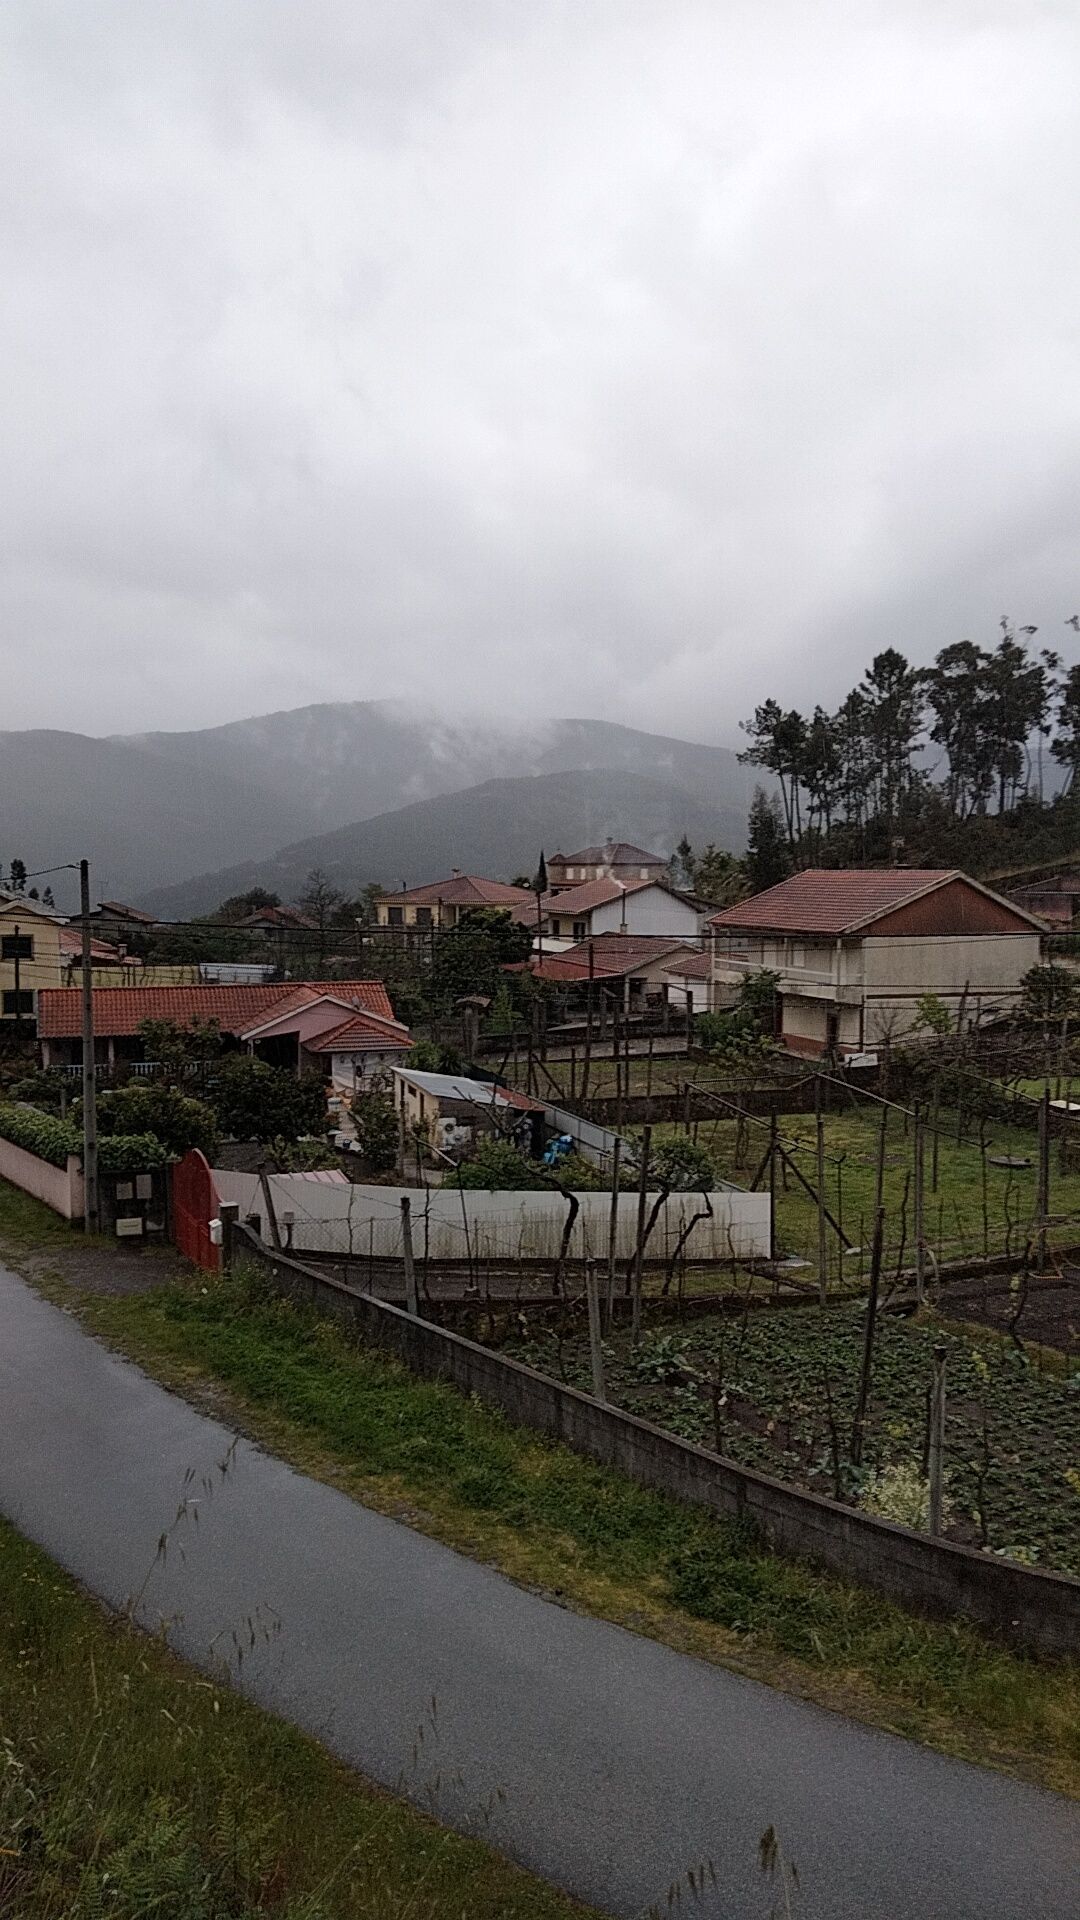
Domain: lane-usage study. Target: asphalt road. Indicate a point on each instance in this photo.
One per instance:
(620, 1763)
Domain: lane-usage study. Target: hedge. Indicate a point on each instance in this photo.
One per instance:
(53, 1140)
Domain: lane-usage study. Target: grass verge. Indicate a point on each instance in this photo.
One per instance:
(131, 1785)
(25, 1223)
(556, 1522)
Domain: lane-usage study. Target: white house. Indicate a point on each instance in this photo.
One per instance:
(618, 906)
(855, 950)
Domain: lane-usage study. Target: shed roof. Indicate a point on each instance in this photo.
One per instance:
(847, 900)
(457, 1086)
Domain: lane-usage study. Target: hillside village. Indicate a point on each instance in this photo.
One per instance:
(539, 962)
(752, 1175)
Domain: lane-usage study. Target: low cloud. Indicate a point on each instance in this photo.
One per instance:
(617, 358)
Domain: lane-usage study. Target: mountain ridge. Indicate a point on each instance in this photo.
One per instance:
(154, 810)
(496, 828)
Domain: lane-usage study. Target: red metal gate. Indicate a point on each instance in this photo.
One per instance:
(194, 1205)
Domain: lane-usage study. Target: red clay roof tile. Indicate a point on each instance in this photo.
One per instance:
(821, 900)
(119, 1011)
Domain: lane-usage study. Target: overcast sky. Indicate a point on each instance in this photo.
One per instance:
(634, 358)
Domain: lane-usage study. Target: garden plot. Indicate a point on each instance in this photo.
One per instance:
(775, 1390)
(974, 1204)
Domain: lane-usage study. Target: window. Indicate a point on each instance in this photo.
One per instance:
(423, 916)
(395, 916)
(580, 929)
(17, 946)
(16, 1003)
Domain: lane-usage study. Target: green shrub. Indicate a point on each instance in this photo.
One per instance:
(682, 1165)
(53, 1140)
(43, 1134)
(132, 1153)
(497, 1165)
(38, 1090)
(376, 1129)
(174, 1118)
(254, 1101)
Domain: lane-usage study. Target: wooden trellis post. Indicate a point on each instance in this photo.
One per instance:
(936, 1448)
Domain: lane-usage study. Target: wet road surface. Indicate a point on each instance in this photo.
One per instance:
(622, 1763)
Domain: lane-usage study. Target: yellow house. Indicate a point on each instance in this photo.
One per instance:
(30, 954)
(38, 949)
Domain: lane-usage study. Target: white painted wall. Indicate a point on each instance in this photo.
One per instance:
(649, 910)
(889, 976)
(342, 1220)
(61, 1188)
(987, 964)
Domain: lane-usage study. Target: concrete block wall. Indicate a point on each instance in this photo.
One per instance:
(1021, 1604)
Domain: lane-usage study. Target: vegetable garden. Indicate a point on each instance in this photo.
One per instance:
(775, 1389)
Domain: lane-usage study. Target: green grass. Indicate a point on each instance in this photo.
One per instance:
(26, 1222)
(132, 1786)
(1062, 1086)
(954, 1221)
(667, 1076)
(554, 1520)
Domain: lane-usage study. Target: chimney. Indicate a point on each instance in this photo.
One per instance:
(455, 873)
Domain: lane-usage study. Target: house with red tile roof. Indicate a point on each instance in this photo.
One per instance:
(855, 950)
(607, 905)
(619, 971)
(441, 903)
(116, 921)
(281, 1023)
(271, 920)
(615, 860)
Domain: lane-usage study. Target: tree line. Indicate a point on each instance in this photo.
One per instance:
(918, 754)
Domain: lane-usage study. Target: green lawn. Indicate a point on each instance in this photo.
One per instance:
(555, 1521)
(955, 1225)
(667, 1074)
(131, 1786)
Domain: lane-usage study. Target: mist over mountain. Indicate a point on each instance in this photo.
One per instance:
(153, 810)
(496, 828)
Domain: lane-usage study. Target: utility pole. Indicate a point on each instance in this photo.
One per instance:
(89, 1069)
(18, 986)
